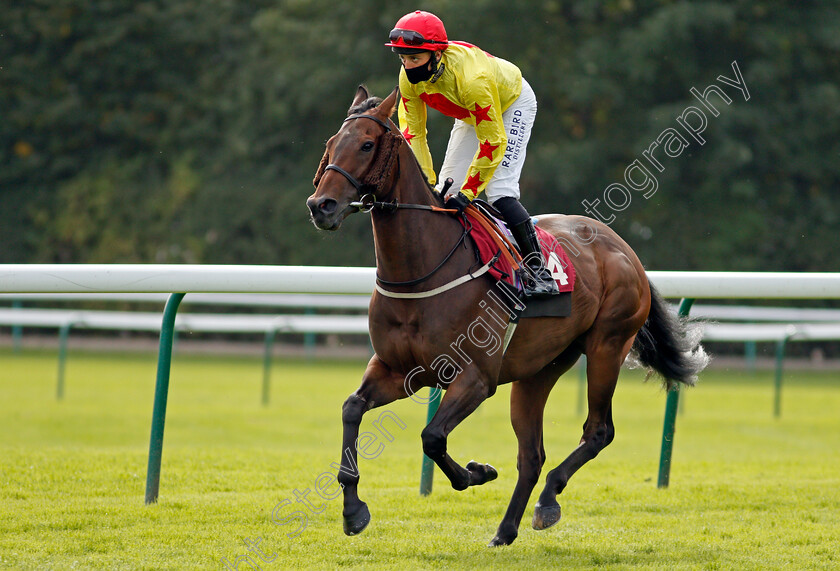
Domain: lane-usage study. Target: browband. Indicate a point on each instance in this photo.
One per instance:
(371, 117)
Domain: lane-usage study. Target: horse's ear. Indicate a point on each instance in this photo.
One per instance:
(389, 104)
(361, 95)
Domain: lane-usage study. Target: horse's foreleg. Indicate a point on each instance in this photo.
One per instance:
(602, 367)
(356, 513)
(460, 400)
(380, 386)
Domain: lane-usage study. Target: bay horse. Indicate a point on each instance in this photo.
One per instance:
(417, 317)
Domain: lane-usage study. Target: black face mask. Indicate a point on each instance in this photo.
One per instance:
(419, 73)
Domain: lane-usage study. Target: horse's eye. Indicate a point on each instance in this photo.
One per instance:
(367, 147)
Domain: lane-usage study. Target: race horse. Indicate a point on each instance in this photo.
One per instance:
(426, 299)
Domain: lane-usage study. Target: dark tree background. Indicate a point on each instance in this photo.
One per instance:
(189, 131)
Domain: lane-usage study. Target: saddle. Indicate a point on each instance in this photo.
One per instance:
(494, 243)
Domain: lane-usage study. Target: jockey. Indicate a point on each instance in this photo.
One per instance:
(494, 109)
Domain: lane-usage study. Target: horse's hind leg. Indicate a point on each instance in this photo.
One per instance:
(527, 404)
(379, 387)
(603, 363)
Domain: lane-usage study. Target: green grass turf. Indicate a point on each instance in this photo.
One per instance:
(748, 491)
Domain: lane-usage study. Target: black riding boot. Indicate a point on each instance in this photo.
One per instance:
(537, 278)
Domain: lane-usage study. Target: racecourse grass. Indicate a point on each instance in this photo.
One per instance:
(748, 491)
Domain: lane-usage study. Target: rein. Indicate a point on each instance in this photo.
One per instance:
(414, 282)
(368, 202)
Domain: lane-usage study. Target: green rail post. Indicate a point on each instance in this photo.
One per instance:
(309, 337)
(63, 335)
(269, 344)
(167, 335)
(17, 330)
(669, 428)
(750, 356)
(427, 472)
(581, 384)
(780, 359)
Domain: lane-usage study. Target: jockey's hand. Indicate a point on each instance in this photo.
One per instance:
(457, 201)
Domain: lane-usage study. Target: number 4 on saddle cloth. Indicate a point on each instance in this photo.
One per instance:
(493, 240)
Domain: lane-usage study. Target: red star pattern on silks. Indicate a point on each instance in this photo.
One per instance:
(473, 183)
(408, 136)
(481, 113)
(405, 101)
(486, 150)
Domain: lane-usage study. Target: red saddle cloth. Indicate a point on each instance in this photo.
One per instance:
(557, 261)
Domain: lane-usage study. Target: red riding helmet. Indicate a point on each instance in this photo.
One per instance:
(417, 32)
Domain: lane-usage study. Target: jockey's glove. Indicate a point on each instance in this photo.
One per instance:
(458, 201)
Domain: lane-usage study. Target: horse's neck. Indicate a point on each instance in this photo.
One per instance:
(410, 243)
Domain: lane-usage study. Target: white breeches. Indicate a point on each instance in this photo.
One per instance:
(463, 146)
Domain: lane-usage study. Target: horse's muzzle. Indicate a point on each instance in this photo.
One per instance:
(324, 212)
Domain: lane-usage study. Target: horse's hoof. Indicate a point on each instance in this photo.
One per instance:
(504, 536)
(499, 541)
(546, 516)
(356, 523)
(481, 473)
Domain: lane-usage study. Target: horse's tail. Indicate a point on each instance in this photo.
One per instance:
(669, 344)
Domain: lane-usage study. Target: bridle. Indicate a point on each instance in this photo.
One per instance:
(367, 202)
